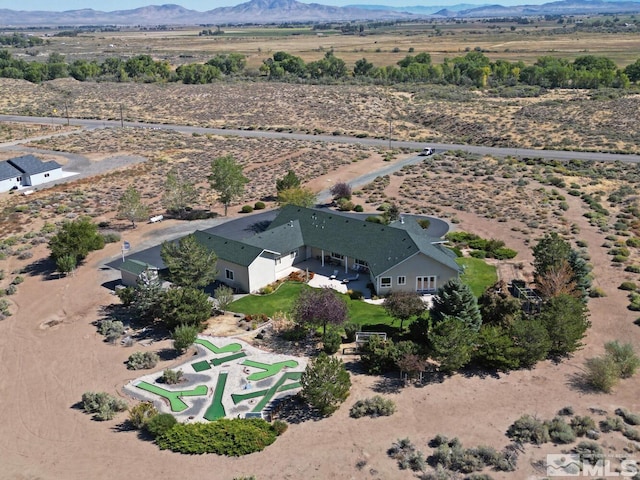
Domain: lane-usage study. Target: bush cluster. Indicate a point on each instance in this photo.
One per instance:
(604, 372)
(111, 329)
(141, 413)
(142, 360)
(102, 405)
(481, 247)
(171, 377)
(407, 456)
(451, 455)
(376, 406)
(232, 437)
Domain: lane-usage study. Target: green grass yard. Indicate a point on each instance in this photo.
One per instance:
(477, 274)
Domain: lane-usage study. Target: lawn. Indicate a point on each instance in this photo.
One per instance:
(282, 300)
(478, 274)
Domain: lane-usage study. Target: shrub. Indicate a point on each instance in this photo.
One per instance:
(111, 237)
(355, 294)
(171, 377)
(160, 424)
(183, 337)
(560, 431)
(247, 209)
(11, 289)
(233, 437)
(601, 373)
(424, 223)
(17, 280)
(376, 406)
(350, 330)
(102, 405)
(141, 413)
(111, 329)
(624, 357)
(581, 425)
(632, 268)
(142, 360)
(597, 292)
(259, 206)
(566, 411)
(629, 286)
(612, 424)
(631, 434)
(528, 429)
(628, 417)
(504, 253)
(590, 452)
(358, 208)
(280, 427)
(331, 341)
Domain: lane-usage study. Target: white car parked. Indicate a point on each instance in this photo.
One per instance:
(426, 151)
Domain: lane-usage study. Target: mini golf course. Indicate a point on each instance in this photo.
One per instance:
(226, 380)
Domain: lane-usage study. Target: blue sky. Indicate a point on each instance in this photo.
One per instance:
(204, 5)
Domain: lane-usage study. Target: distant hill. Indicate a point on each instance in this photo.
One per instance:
(292, 11)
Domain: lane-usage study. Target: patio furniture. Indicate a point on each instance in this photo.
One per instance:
(334, 275)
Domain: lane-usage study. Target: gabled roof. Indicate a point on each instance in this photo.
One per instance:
(381, 246)
(31, 165)
(281, 239)
(8, 171)
(136, 267)
(233, 251)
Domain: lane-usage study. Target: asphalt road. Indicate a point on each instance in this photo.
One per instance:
(481, 150)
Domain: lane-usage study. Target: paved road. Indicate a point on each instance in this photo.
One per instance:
(496, 151)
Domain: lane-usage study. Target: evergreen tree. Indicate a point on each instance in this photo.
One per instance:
(451, 343)
(76, 239)
(496, 349)
(565, 318)
(325, 383)
(227, 179)
(290, 180)
(455, 299)
(190, 263)
(549, 252)
(185, 306)
(532, 339)
(498, 306)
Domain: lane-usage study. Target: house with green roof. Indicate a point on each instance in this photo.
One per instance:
(133, 271)
(392, 257)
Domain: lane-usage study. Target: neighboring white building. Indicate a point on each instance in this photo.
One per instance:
(27, 171)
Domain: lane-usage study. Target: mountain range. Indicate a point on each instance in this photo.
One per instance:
(292, 11)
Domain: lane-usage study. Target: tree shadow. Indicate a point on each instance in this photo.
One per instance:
(295, 410)
(388, 384)
(476, 371)
(168, 354)
(258, 227)
(44, 267)
(125, 426)
(578, 381)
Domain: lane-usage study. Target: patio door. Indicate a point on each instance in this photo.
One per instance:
(426, 284)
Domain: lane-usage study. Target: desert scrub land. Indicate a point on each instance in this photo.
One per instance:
(509, 117)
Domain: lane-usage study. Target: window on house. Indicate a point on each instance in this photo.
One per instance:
(337, 256)
(293, 254)
(46, 175)
(228, 274)
(278, 260)
(385, 282)
(402, 280)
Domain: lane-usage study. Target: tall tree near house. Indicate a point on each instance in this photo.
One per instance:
(227, 179)
(565, 318)
(179, 194)
(75, 239)
(558, 280)
(131, 207)
(404, 305)
(190, 264)
(455, 299)
(290, 180)
(325, 383)
(298, 196)
(320, 307)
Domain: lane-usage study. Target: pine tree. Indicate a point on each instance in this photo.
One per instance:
(325, 383)
(455, 299)
(190, 263)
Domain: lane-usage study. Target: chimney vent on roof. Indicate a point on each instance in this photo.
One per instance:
(402, 219)
(291, 223)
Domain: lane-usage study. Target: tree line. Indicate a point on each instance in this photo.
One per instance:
(474, 69)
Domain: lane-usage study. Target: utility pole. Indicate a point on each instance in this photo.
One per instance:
(66, 112)
(389, 133)
(121, 117)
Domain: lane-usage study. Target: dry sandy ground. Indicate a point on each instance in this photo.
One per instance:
(50, 354)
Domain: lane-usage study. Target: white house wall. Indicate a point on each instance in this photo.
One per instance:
(418, 265)
(240, 275)
(9, 183)
(44, 177)
(261, 272)
(287, 260)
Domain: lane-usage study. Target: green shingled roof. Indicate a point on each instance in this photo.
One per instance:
(281, 239)
(381, 246)
(233, 251)
(136, 267)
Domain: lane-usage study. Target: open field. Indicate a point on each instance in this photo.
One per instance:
(50, 352)
(382, 45)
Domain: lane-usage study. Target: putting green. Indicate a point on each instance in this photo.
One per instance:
(268, 394)
(177, 405)
(201, 366)
(232, 347)
(219, 361)
(216, 409)
(269, 369)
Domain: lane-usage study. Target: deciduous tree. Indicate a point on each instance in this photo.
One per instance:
(179, 194)
(320, 307)
(404, 305)
(227, 179)
(297, 196)
(131, 207)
